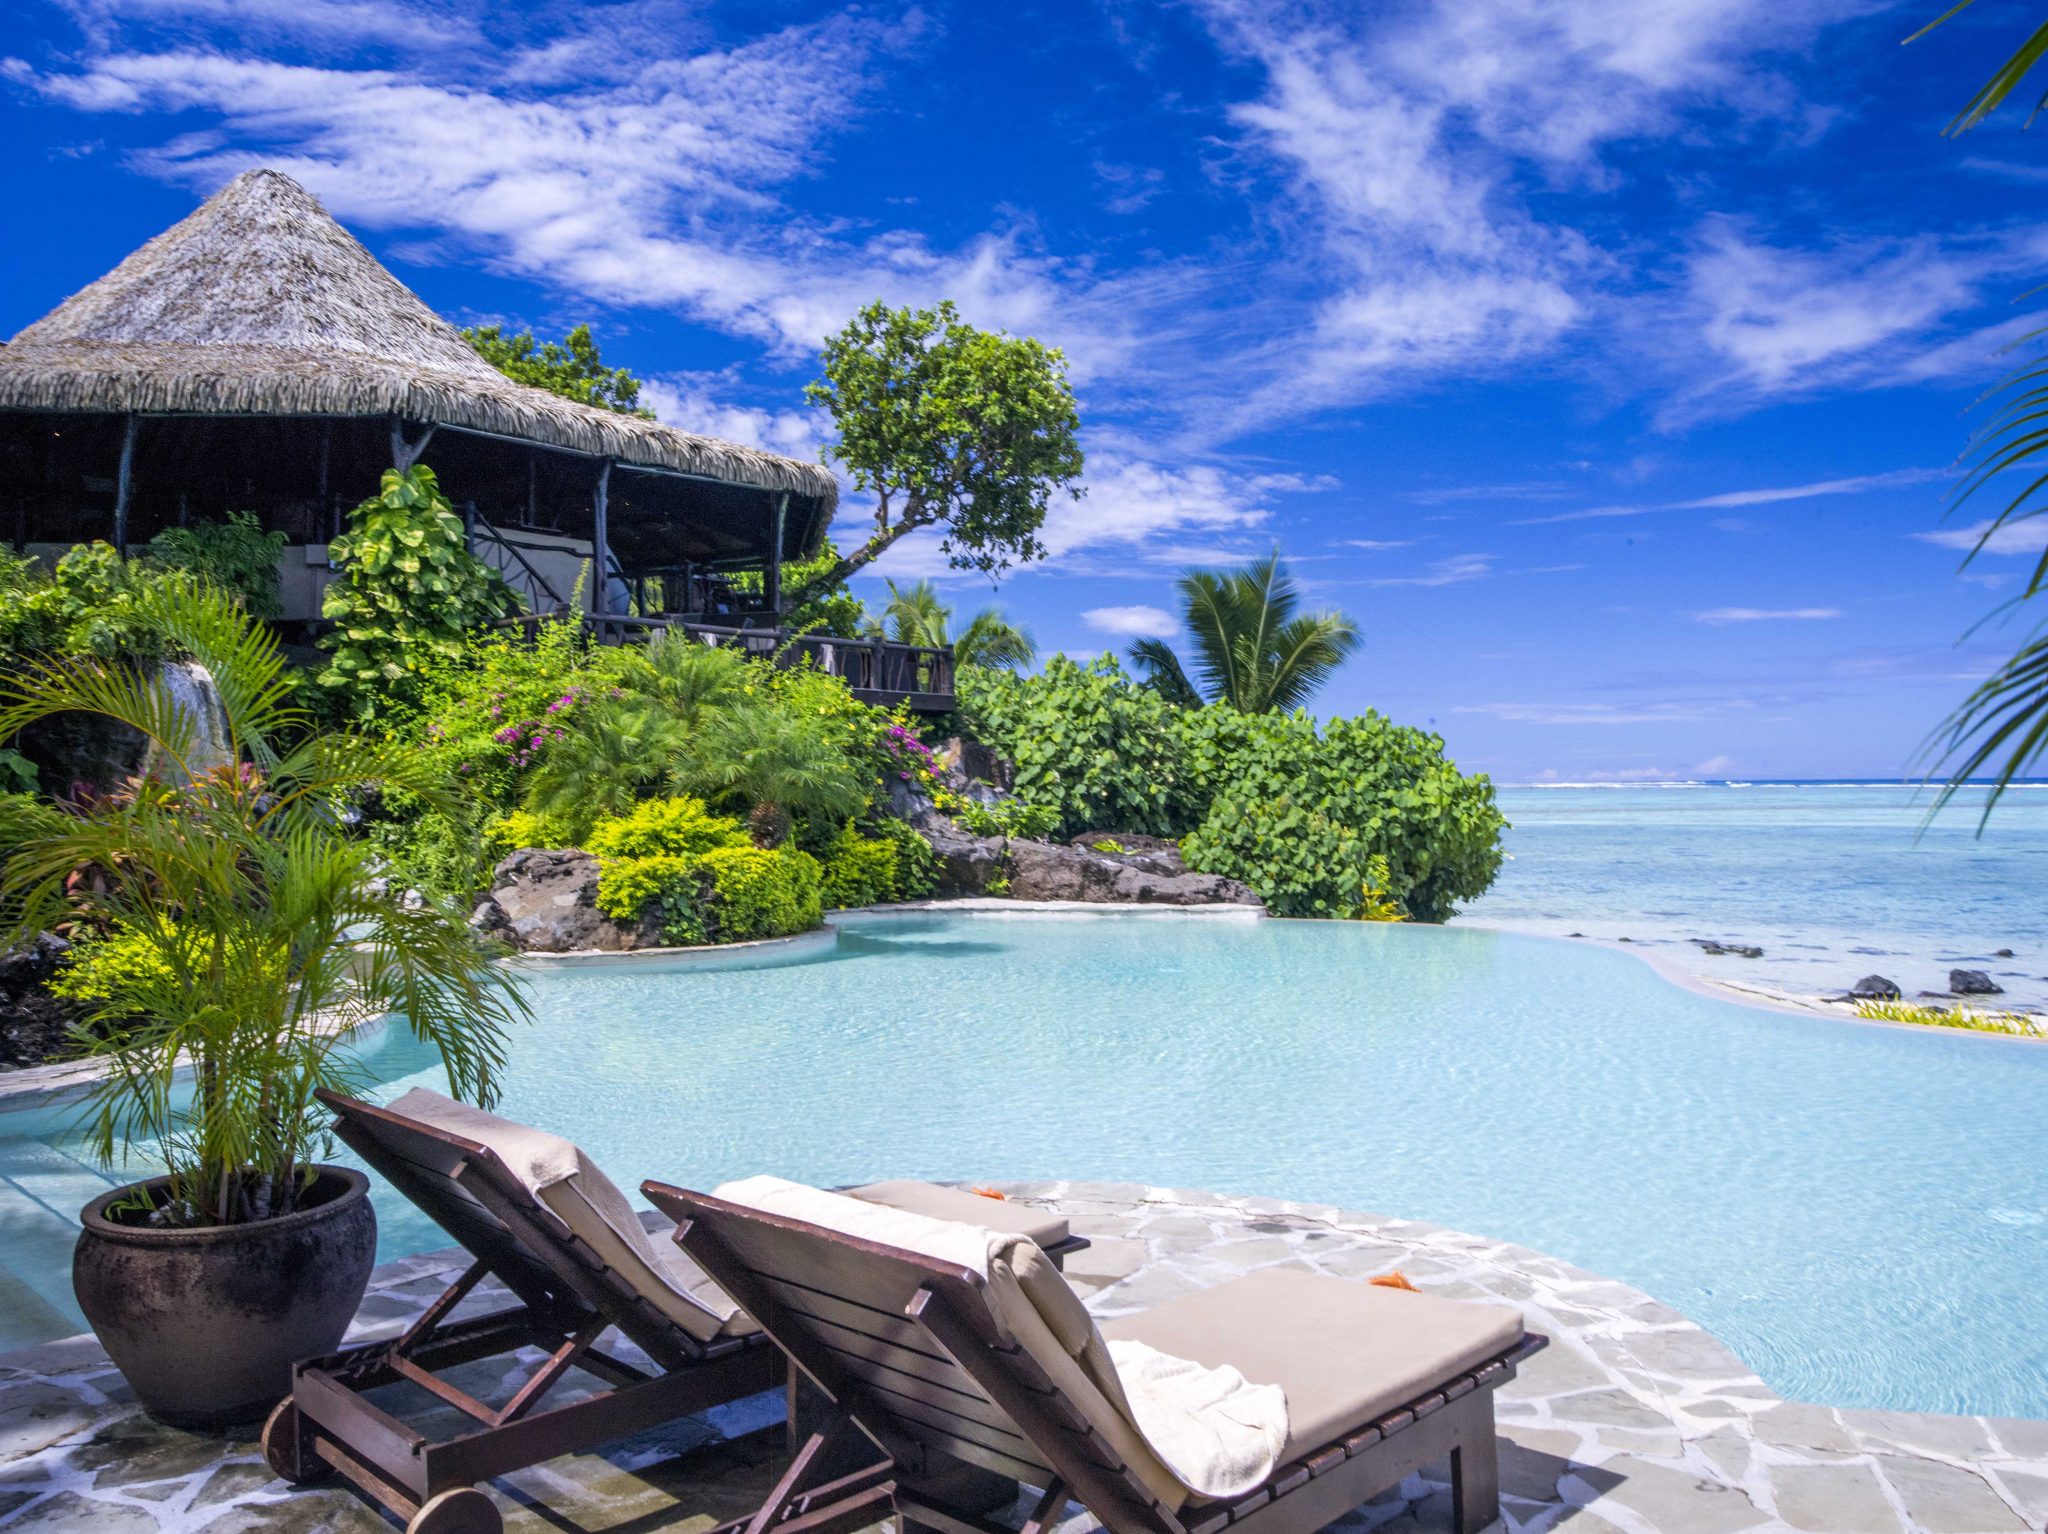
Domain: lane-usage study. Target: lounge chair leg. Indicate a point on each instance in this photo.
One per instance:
(1475, 1481)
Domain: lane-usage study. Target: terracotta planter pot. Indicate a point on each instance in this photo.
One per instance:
(206, 1324)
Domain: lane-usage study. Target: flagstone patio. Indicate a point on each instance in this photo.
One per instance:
(1634, 1420)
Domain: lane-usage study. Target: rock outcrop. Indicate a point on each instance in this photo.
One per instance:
(1045, 871)
(1875, 988)
(543, 901)
(967, 863)
(1973, 982)
(34, 1025)
(1736, 950)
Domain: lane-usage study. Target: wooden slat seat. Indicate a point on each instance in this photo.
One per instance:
(909, 1350)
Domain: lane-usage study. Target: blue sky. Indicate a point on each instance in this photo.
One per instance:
(1606, 361)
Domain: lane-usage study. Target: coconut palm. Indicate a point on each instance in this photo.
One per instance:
(1252, 649)
(916, 615)
(2002, 727)
(769, 765)
(226, 919)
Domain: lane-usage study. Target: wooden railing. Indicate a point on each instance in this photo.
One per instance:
(876, 670)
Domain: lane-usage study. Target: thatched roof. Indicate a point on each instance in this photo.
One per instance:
(260, 303)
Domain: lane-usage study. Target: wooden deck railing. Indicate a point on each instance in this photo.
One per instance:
(875, 670)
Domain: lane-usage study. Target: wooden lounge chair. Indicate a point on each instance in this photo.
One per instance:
(575, 1277)
(917, 1354)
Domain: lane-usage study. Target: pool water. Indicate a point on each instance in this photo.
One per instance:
(1860, 1212)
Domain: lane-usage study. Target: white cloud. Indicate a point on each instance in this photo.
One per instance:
(2024, 537)
(694, 402)
(1135, 622)
(1852, 485)
(1588, 713)
(1453, 571)
(1856, 314)
(1721, 616)
(1377, 545)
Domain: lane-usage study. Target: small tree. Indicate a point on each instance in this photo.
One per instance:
(409, 591)
(951, 427)
(570, 367)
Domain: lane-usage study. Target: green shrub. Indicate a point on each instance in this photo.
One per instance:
(858, 870)
(1299, 813)
(917, 866)
(236, 554)
(679, 827)
(121, 964)
(88, 607)
(625, 886)
(1355, 818)
(758, 892)
(1006, 817)
(1089, 744)
(408, 595)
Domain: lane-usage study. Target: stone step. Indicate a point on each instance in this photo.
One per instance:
(41, 1192)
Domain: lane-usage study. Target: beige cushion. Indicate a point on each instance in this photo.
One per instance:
(1044, 1226)
(1345, 1352)
(571, 1186)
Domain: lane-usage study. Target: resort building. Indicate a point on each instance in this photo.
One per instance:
(256, 357)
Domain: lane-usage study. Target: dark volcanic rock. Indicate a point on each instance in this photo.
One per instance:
(966, 862)
(1973, 982)
(34, 1025)
(2002, 953)
(542, 901)
(972, 769)
(1738, 950)
(1148, 854)
(1875, 988)
(1044, 871)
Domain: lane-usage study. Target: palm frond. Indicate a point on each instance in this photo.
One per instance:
(2004, 80)
(992, 641)
(1160, 669)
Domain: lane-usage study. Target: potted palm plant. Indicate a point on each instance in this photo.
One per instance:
(227, 926)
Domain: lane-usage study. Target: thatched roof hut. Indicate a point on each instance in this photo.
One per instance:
(257, 356)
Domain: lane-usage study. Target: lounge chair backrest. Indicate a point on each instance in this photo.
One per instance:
(910, 1348)
(465, 1189)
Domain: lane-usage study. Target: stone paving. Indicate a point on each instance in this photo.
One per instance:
(1634, 1420)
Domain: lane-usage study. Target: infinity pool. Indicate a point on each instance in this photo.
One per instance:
(1861, 1212)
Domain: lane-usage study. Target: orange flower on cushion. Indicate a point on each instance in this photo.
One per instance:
(994, 1193)
(1394, 1280)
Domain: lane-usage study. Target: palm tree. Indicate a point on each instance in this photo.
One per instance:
(915, 615)
(235, 925)
(2003, 724)
(769, 765)
(1252, 650)
(616, 752)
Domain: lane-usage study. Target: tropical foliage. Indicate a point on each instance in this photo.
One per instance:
(917, 615)
(236, 554)
(408, 594)
(570, 367)
(948, 427)
(1351, 818)
(2001, 728)
(91, 605)
(230, 921)
(1254, 649)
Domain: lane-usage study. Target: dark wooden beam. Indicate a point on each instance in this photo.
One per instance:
(600, 537)
(124, 484)
(772, 585)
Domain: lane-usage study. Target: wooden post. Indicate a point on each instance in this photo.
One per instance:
(772, 586)
(600, 537)
(405, 454)
(123, 484)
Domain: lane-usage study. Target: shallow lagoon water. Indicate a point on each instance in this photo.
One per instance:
(1861, 1212)
(1832, 880)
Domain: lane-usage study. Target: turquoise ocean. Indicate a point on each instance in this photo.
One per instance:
(1833, 880)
